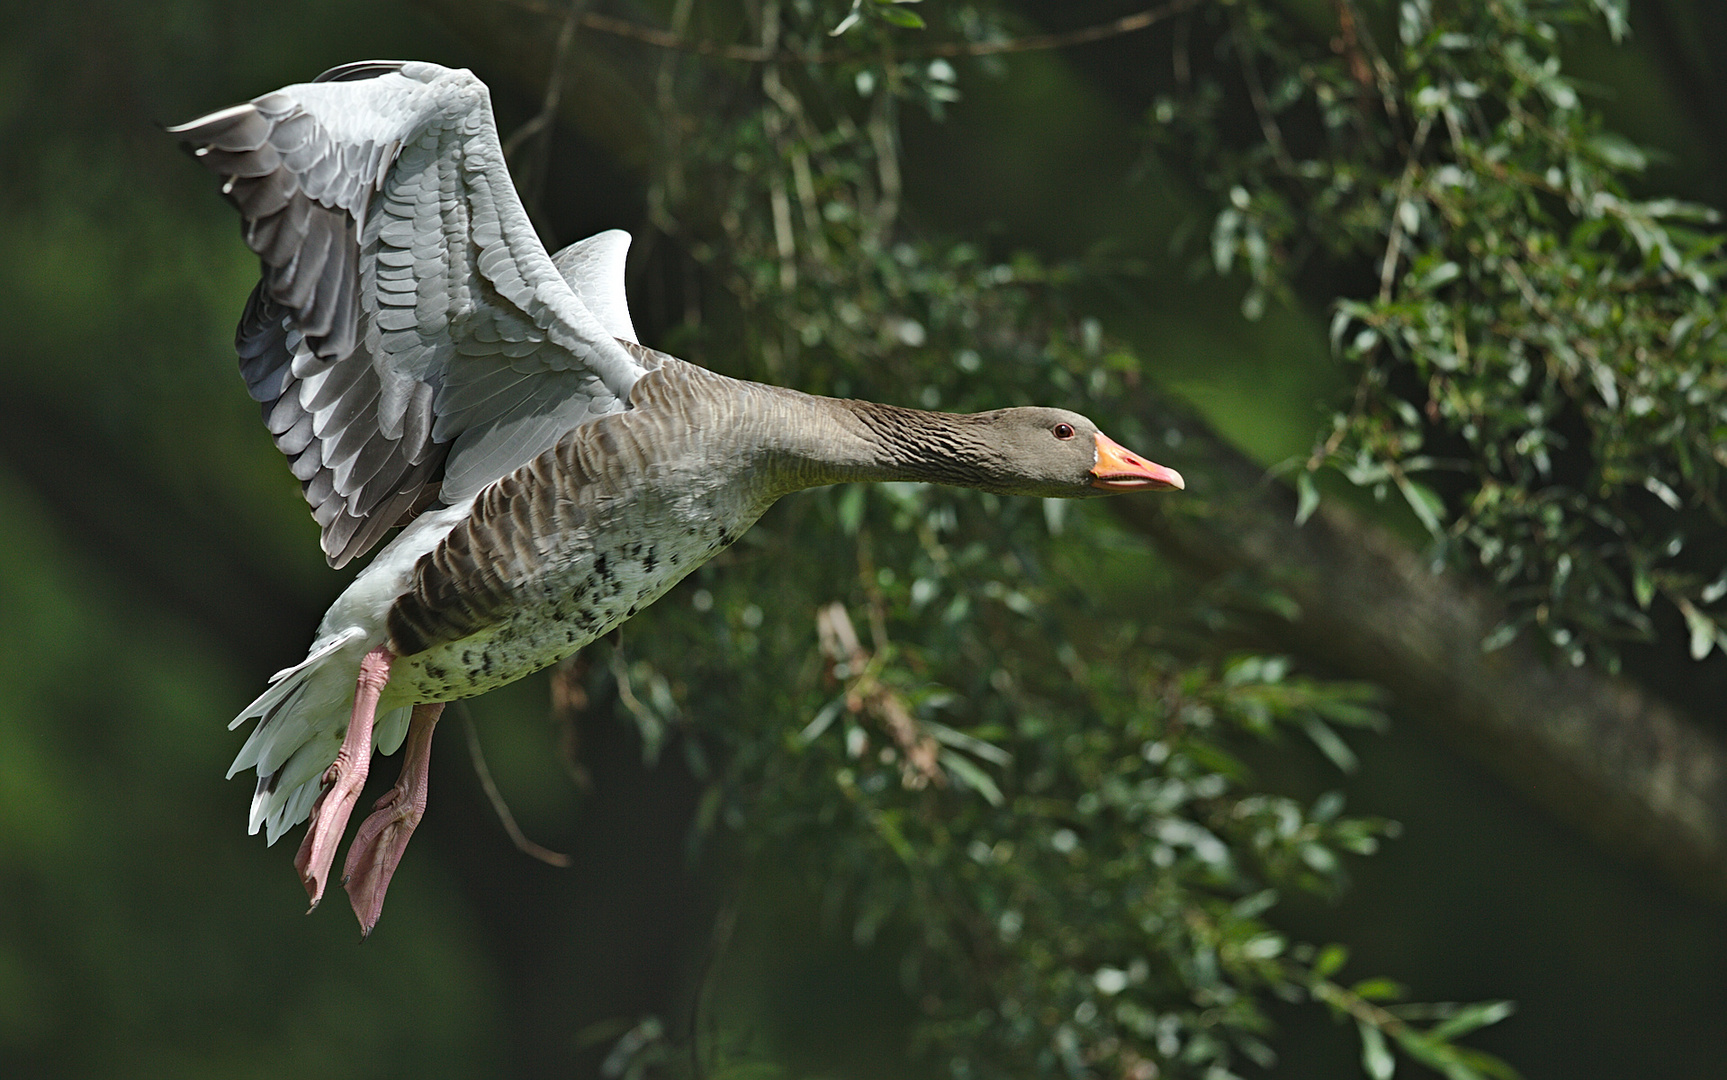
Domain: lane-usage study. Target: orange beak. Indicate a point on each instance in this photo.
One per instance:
(1120, 469)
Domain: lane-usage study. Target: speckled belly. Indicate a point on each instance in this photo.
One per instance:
(585, 586)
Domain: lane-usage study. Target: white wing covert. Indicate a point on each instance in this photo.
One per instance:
(409, 338)
(595, 270)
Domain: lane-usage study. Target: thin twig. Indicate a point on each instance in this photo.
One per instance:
(1394, 246)
(725, 923)
(1356, 1006)
(866, 693)
(1367, 64)
(569, 701)
(798, 153)
(883, 129)
(667, 188)
(1261, 105)
(626, 693)
(1127, 24)
(784, 243)
(530, 179)
(501, 808)
(755, 54)
(1530, 296)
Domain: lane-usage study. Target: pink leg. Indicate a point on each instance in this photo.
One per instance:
(383, 837)
(344, 778)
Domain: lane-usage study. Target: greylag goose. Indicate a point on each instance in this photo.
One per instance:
(424, 363)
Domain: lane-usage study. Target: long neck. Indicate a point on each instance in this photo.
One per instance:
(820, 440)
(778, 441)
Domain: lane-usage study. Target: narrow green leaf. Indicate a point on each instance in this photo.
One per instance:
(1470, 1017)
(973, 777)
(1327, 806)
(1054, 515)
(1428, 506)
(1306, 496)
(851, 509)
(1349, 713)
(1618, 151)
(1376, 1059)
(812, 731)
(1331, 745)
(1702, 627)
(1255, 905)
(1330, 960)
(1379, 989)
(1487, 1065)
(1340, 320)
(1663, 492)
(1642, 586)
(1444, 273)
(1618, 19)
(1441, 1057)
(1503, 634)
(971, 744)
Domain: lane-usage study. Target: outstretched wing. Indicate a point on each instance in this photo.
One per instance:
(409, 338)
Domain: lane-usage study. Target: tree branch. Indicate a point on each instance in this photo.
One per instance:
(758, 54)
(1593, 750)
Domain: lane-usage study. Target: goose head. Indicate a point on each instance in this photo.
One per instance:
(1056, 453)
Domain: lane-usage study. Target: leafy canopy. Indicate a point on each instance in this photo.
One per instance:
(1539, 353)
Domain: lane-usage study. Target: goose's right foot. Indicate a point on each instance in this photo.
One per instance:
(383, 837)
(344, 779)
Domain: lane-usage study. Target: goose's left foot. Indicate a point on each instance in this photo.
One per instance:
(383, 837)
(344, 778)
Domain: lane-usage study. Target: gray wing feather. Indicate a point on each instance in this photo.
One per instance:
(409, 339)
(521, 431)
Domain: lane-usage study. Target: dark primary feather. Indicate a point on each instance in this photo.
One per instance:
(355, 70)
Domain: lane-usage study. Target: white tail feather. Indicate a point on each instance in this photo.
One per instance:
(301, 718)
(283, 682)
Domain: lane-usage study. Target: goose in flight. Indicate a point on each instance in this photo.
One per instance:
(425, 364)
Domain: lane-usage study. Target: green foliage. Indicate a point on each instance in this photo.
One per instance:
(889, 11)
(1540, 353)
(1007, 768)
(1105, 909)
(160, 562)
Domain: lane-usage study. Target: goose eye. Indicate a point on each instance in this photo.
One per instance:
(1063, 431)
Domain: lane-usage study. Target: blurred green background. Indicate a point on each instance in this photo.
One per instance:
(156, 563)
